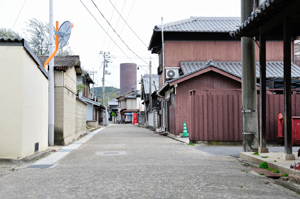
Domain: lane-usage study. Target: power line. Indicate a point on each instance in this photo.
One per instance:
(124, 23)
(108, 26)
(127, 24)
(117, 33)
(118, 20)
(105, 31)
(18, 15)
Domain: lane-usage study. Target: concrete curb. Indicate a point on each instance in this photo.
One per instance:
(288, 185)
(185, 141)
(30, 158)
(257, 160)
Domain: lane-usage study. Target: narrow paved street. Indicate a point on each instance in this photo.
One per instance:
(124, 161)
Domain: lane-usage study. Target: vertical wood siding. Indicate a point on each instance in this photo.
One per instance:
(217, 117)
(177, 51)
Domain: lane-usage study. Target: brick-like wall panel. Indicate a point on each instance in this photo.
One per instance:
(80, 116)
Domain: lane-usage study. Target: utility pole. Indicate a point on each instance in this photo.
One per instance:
(249, 92)
(93, 73)
(51, 79)
(150, 87)
(106, 59)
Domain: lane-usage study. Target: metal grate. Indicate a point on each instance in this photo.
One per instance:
(42, 166)
(36, 147)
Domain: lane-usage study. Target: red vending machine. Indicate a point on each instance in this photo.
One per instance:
(134, 118)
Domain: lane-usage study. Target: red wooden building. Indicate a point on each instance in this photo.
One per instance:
(189, 44)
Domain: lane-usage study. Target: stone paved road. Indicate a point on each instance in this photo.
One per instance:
(124, 161)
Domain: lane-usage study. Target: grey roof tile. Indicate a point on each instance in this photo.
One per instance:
(62, 61)
(202, 24)
(274, 69)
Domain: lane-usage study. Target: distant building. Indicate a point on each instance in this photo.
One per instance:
(128, 79)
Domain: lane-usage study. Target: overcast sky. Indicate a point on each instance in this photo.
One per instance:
(88, 38)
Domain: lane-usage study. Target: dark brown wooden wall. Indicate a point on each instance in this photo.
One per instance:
(211, 81)
(216, 117)
(177, 51)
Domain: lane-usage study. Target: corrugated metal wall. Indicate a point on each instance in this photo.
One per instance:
(153, 119)
(218, 117)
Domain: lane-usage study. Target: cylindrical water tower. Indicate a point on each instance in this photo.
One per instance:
(127, 77)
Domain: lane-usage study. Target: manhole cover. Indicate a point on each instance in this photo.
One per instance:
(111, 153)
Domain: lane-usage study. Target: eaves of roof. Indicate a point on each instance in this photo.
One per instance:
(195, 28)
(163, 88)
(22, 42)
(268, 19)
(92, 102)
(64, 62)
(274, 69)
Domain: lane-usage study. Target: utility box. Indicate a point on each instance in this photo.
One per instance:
(296, 130)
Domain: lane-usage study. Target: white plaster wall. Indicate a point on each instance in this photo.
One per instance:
(70, 79)
(24, 104)
(11, 78)
(35, 107)
(131, 104)
(123, 105)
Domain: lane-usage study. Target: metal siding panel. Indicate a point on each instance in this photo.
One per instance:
(210, 116)
(196, 118)
(201, 123)
(205, 118)
(271, 118)
(231, 117)
(215, 118)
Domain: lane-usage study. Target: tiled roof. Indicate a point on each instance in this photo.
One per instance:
(270, 10)
(274, 69)
(62, 61)
(202, 24)
(146, 80)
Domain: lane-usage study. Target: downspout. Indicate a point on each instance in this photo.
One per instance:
(163, 66)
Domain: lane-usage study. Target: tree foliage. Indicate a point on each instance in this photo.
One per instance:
(111, 92)
(9, 34)
(39, 38)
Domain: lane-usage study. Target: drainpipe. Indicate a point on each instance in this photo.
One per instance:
(163, 66)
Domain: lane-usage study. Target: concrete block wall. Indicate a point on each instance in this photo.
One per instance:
(58, 114)
(80, 117)
(69, 116)
(68, 126)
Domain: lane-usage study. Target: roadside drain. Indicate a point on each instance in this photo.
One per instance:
(111, 153)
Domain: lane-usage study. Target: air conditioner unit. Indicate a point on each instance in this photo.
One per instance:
(172, 72)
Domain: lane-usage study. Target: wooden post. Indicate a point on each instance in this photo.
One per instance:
(262, 62)
(287, 87)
